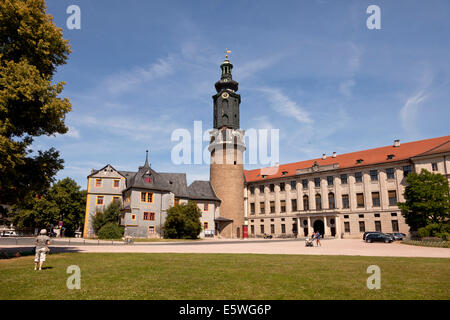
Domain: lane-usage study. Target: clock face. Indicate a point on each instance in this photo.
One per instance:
(225, 95)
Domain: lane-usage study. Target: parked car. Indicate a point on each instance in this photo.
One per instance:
(391, 235)
(378, 237)
(368, 232)
(267, 236)
(398, 235)
(10, 234)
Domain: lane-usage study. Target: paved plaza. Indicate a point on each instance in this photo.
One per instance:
(349, 247)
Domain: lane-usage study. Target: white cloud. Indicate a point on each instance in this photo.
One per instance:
(346, 87)
(409, 111)
(73, 133)
(285, 106)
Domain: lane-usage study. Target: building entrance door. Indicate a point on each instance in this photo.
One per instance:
(318, 226)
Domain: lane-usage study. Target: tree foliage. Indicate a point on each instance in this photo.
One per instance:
(31, 48)
(64, 200)
(111, 214)
(183, 221)
(110, 231)
(427, 199)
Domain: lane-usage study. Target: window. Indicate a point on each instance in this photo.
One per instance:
(133, 217)
(272, 188)
(317, 182)
(100, 200)
(378, 226)
(345, 201)
(261, 189)
(151, 229)
(305, 202)
(390, 156)
(98, 182)
(362, 226)
(206, 206)
(361, 215)
(360, 200)
(392, 197)
(344, 179)
(252, 229)
(331, 204)
(205, 225)
(359, 161)
(284, 173)
(330, 180)
(394, 225)
(318, 202)
(294, 204)
(283, 205)
(393, 214)
(262, 209)
(373, 175)
(261, 228)
(282, 186)
(347, 227)
(272, 228)
(375, 199)
(407, 170)
(305, 184)
(390, 173)
(116, 183)
(376, 215)
(252, 190)
(283, 228)
(272, 206)
(252, 208)
(149, 216)
(345, 216)
(116, 199)
(147, 197)
(293, 185)
(176, 201)
(434, 166)
(358, 177)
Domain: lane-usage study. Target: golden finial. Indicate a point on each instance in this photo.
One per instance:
(227, 51)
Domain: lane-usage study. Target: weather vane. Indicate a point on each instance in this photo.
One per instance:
(227, 51)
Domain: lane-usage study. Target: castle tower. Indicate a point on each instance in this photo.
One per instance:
(227, 147)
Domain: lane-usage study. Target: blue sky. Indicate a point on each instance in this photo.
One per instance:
(141, 69)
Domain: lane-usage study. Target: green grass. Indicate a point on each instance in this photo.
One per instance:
(224, 276)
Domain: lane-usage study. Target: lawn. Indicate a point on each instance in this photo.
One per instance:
(223, 276)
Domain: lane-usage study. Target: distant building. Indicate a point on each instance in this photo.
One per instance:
(146, 195)
(341, 195)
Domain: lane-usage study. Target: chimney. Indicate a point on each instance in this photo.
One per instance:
(92, 170)
(334, 154)
(396, 143)
(324, 156)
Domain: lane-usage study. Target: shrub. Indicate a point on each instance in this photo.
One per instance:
(440, 230)
(110, 231)
(183, 222)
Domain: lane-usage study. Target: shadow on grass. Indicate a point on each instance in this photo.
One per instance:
(16, 252)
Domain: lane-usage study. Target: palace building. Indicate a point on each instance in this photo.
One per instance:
(339, 195)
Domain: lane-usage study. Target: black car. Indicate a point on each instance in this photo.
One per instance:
(378, 237)
(368, 232)
(398, 235)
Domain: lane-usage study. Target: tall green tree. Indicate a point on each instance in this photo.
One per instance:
(183, 221)
(111, 215)
(427, 199)
(31, 48)
(63, 201)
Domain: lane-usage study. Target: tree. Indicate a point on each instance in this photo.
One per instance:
(183, 221)
(64, 200)
(31, 48)
(110, 231)
(427, 199)
(111, 214)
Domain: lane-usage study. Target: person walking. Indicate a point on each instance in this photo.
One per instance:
(41, 243)
(317, 236)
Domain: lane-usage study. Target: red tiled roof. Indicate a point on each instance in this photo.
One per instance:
(369, 157)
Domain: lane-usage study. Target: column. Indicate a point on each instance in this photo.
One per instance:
(325, 227)
(338, 227)
(299, 226)
(310, 230)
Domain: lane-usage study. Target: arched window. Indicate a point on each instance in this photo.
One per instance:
(318, 202)
(305, 202)
(331, 204)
